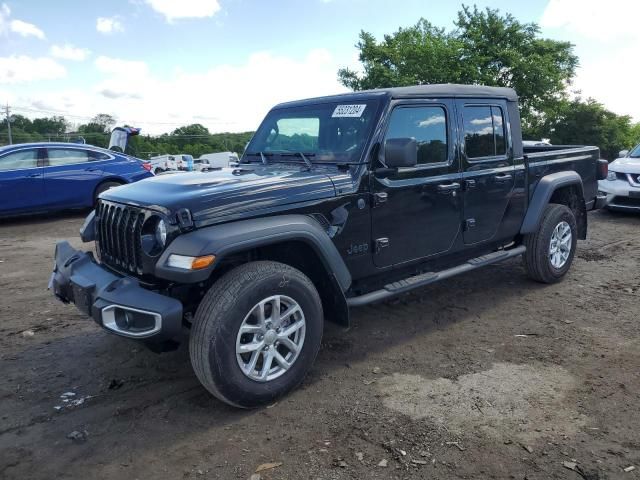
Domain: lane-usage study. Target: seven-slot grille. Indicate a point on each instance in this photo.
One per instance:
(119, 233)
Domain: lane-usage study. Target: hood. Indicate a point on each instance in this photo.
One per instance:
(625, 165)
(226, 191)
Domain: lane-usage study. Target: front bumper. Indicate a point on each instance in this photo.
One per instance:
(118, 304)
(620, 195)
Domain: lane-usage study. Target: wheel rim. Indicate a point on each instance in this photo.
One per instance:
(560, 245)
(270, 338)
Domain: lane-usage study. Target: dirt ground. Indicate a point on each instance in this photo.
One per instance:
(483, 376)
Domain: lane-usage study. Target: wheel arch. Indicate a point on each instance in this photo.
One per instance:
(295, 240)
(564, 188)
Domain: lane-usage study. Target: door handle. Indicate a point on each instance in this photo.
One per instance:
(34, 175)
(91, 169)
(503, 177)
(448, 188)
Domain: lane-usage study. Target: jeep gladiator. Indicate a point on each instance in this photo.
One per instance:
(337, 202)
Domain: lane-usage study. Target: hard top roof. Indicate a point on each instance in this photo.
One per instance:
(434, 90)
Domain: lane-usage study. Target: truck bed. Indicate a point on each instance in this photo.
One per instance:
(548, 159)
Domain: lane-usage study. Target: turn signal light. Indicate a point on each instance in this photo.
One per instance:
(202, 262)
(190, 263)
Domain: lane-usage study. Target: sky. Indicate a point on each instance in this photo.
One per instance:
(160, 64)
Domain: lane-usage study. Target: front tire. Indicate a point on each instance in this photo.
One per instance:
(103, 187)
(256, 333)
(551, 249)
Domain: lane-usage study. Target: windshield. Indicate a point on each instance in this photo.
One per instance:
(334, 132)
(635, 153)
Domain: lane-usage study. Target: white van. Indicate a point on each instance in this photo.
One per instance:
(164, 163)
(220, 159)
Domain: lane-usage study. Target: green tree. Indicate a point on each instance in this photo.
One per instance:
(48, 126)
(192, 130)
(485, 48)
(579, 122)
(20, 122)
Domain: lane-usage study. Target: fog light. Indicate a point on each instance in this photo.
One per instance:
(190, 263)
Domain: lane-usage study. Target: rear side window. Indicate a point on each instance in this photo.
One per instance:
(19, 160)
(66, 156)
(98, 155)
(428, 125)
(484, 133)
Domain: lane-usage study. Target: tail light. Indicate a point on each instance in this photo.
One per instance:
(146, 166)
(602, 169)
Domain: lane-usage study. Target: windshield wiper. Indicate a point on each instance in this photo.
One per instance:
(303, 156)
(263, 156)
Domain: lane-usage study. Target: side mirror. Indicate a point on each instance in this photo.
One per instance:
(623, 153)
(400, 152)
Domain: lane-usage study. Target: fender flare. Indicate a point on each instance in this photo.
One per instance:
(237, 236)
(542, 195)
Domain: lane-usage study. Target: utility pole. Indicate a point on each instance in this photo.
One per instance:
(7, 112)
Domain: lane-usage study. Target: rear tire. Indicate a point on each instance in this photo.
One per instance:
(254, 368)
(551, 249)
(103, 187)
(158, 171)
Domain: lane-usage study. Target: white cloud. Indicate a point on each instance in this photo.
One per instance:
(69, 52)
(20, 27)
(480, 121)
(608, 21)
(223, 98)
(5, 12)
(173, 10)
(26, 29)
(119, 67)
(434, 120)
(109, 25)
(24, 69)
(607, 41)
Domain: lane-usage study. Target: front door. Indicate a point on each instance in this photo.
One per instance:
(416, 211)
(21, 187)
(488, 167)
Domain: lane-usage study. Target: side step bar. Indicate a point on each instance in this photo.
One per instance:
(411, 283)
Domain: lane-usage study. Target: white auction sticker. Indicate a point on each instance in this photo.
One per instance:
(348, 111)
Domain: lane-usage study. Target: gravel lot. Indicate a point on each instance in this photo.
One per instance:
(483, 376)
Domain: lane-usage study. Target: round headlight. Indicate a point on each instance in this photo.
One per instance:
(612, 176)
(161, 233)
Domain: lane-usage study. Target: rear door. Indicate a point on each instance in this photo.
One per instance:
(488, 167)
(71, 175)
(21, 187)
(417, 210)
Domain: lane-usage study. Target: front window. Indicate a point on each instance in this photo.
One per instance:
(428, 125)
(332, 132)
(19, 160)
(635, 153)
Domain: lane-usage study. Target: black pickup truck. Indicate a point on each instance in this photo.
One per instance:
(337, 202)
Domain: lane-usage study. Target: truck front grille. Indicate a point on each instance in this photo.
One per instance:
(118, 235)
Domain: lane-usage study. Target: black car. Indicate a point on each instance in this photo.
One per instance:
(338, 201)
